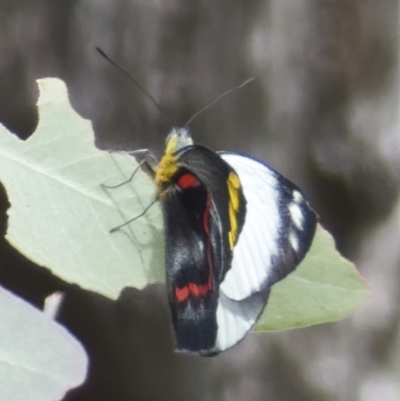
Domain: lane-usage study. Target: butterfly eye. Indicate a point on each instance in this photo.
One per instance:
(187, 181)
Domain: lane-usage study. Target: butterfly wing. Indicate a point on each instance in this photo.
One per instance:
(191, 271)
(233, 228)
(204, 210)
(277, 233)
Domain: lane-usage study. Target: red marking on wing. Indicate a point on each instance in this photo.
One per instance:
(181, 293)
(206, 225)
(206, 216)
(187, 181)
(198, 290)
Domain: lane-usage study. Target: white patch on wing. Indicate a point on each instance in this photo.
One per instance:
(258, 241)
(297, 197)
(296, 215)
(294, 242)
(236, 318)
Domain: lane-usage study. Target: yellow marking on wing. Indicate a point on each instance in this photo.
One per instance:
(167, 166)
(234, 205)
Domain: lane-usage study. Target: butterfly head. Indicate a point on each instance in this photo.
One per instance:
(178, 139)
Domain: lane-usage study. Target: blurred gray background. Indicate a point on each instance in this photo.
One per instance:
(323, 110)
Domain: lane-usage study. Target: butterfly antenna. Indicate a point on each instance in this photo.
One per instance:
(220, 97)
(136, 83)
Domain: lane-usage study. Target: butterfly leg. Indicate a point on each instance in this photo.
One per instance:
(127, 181)
(117, 228)
(147, 162)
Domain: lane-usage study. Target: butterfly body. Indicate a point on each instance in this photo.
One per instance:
(233, 227)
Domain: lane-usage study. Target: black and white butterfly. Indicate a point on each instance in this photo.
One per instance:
(233, 227)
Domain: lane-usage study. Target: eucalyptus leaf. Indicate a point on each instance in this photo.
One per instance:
(61, 217)
(39, 359)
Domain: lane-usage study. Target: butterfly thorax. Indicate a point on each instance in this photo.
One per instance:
(178, 139)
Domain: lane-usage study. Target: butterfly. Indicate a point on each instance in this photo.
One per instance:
(233, 227)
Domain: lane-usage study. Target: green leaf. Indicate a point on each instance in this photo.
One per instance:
(39, 359)
(324, 288)
(60, 217)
